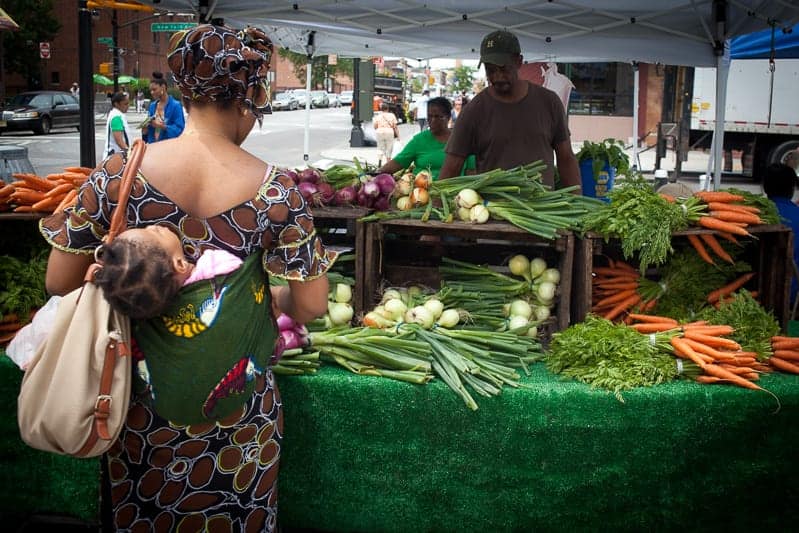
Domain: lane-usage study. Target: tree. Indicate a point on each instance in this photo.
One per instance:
(21, 48)
(320, 68)
(462, 79)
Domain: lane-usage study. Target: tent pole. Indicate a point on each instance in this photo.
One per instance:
(309, 48)
(722, 73)
(636, 81)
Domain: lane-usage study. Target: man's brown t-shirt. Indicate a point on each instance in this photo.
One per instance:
(503, 135)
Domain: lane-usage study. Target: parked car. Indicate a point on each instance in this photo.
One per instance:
(335, 100)
(285, 101)
(300, 95)
(319, 99)
(40, 111)
(346, 97)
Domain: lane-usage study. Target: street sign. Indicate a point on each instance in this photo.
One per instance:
(171, 26)
(44, 50)
(106, 40)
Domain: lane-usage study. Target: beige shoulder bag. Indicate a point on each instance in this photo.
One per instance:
(76, 391)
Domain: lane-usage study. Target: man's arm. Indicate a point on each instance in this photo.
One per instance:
(452, 166)
(568, 168)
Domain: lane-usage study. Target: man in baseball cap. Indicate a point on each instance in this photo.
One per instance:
(512, 122)
(499, 48)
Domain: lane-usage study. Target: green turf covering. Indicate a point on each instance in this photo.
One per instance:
(35, 482)
(371, 454)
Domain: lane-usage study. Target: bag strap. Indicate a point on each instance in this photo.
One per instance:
(119, 221)
(117, 347)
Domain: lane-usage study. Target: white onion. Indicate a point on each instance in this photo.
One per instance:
(520, 308)
(464, 214)
(468, 198)
(390, 294)
(551, 274)
(396, 308)
(403, 188)
(478, 214)
(537, 267)
(541, 313)
(532, 332)
(381, 310)
(340, 313)
(546, 291)
(449, 318)
(516, 322)
(343, 293)
(519, 265)
(435, 307)
(420, 315)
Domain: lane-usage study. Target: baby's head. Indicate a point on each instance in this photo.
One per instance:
(143, 269)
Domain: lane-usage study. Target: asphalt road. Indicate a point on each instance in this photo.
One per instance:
(280, 140)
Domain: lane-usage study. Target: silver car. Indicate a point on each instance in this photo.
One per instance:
(285, 102)
(319, 99)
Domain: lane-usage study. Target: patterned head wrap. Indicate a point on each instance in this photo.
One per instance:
(217, 64)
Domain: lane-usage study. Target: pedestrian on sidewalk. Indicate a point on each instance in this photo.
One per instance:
(118, 135)
(140, 101)
(386, 131)
(165, 116)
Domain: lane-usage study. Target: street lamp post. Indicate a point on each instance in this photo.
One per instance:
(115, 38)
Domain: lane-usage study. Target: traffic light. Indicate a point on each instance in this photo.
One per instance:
(106, 69)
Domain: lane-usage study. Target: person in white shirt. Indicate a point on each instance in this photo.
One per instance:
(118, 133)
(74, 90)
(421, 110)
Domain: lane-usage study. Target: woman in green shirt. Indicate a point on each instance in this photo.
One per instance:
(426, 149)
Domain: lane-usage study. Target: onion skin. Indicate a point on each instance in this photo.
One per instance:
(346, 196)
(371, 189)
(326, 193)
(308, 191)
(285, 322)
(308, 175)
(386, 183)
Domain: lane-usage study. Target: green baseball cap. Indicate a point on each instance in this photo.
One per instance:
(499, 48)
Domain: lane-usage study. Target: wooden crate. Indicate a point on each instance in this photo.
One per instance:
(404, 252)
(770, 253)
(341, 229)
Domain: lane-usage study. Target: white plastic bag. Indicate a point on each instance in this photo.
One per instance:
(24, 344)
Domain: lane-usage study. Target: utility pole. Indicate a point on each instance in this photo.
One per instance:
(115, 38)
(85, 67)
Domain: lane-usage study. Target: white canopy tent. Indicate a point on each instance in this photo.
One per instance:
(675, 32)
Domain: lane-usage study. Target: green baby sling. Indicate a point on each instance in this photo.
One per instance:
(201, 357)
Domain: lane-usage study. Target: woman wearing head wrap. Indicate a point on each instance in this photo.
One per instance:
(200, 448)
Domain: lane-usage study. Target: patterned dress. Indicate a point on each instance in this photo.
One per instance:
(217, 474)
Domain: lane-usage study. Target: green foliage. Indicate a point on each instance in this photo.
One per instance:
(23, 284)
(686, 280)
(37, 23)
(641, 219)
(610, 150)
(417, 85)
(462, 79)
(320, 68)
(609, 356)
(754, 326)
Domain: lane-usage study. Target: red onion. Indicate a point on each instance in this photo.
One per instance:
(386, 183)
(293, 175)
(371, 189)
(383, 203)
(285, 322)
(291, 339)
(362, 199)
(308, 191)
(326, 192)
(346, 195)
(277, 352)
(309, 175)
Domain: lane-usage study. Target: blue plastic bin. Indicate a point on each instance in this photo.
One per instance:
(599, 187)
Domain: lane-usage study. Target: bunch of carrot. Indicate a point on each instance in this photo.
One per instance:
(721, 359)
(727, 214)
(31, 193)
(9, 325)
(785, 354)
(725, 293)
(615, 290)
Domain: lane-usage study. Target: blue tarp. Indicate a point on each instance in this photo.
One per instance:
(758, 45)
